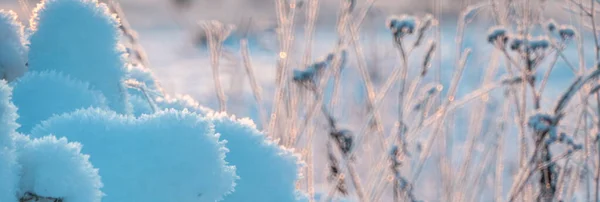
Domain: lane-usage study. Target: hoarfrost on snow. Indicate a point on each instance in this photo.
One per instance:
(40, 95)
(181, 103)
(56, 168)
(8, 163)
(166, 156)
(60, 41)
(267, 171)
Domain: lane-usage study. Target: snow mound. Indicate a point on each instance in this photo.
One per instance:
(39, 95)
(80, 38)
(267, 171)
(56, 168)
(12, 46)
(8, 163)
(166, 156)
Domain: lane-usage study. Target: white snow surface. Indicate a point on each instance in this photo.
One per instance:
(267, 171)
(167, 156)
(80, 38)
(54, 167)
(40, 95)
(8, 163)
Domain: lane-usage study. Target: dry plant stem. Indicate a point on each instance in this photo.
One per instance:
(353, 177)
(519, 110)
(285, 25)
(290, 92)
(256, 89)
(310, 166)
(481, 170)
(499, 152)
(562, 179)
(131, 35)
(401, 95)
(311, 16)
(325, 78)
(476, 125)
(582, 69)
(572, 90)
(547, 74)
(368, 86)
(343, 18)
(524, 174)
(520, 120)
(215, 55)
(563, 176)
(441, 114)
(573, 185)
(435, 118)
(149, 99)
(540, 167)
(597, 51)
(24, 6)
(312, 110)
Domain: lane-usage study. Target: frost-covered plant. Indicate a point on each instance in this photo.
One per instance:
(56, 169)
(497, 36)
(403, 25)
(566, 32)
(167, 156)
(311, 75)
(216, 32)
(8, 159)
(267, 171)
(60, 94)
(12, 44)
(145, 76)
(80, 38)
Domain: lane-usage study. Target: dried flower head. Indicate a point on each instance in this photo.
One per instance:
(566, 32)
(497, 35)
(551, 25)
(403, 25)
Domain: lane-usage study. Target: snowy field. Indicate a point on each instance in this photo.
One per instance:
(471, 129)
